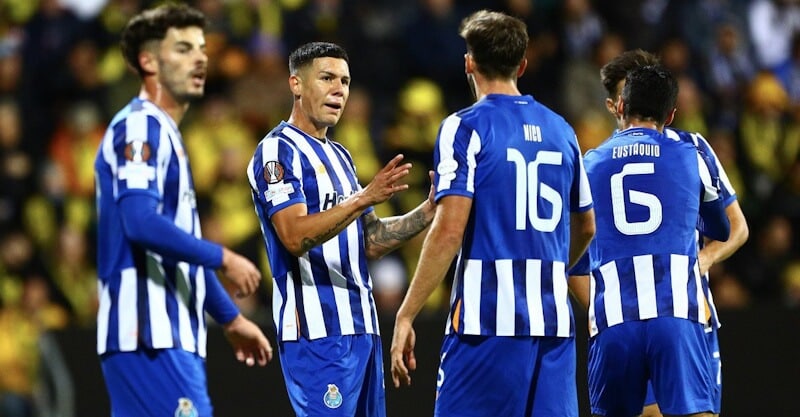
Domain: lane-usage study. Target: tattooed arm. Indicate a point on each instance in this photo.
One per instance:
(300, 231)
(385, 235)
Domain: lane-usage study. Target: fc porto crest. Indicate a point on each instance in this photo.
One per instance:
(185, 408)
(332, 397)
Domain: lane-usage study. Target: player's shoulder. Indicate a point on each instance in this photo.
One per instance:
(695, 138)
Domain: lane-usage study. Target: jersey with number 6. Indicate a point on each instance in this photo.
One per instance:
(647, 188)
(520, 164)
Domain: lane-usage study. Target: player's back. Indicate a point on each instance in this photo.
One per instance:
(527, 167)
(521, 165)
(647, 191)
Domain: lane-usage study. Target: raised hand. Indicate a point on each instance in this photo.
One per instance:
(242, 276)
(384, 184)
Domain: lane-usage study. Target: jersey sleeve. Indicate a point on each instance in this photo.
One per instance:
(727, 191)
(137, 149)
(713, 221)
(276, 175)
(581, 193)
(454, 158)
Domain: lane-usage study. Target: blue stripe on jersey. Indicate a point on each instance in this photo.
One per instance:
(549, 311)
(171, 284)
(145, 334)
(338, 295)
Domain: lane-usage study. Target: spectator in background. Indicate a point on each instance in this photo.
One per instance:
(17, 168)
(772, 24)
(729, 68)
(769, 135)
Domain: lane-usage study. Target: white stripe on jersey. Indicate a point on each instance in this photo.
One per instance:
(446, 140)
(505, 317)
(645, 286)
(472, 149)
(160, 328)
(104, 308)
(127, 311)
(200, 294)
(363, 291)
(533, 294)
(472, 297)
(312, 306)
(679, 265)
(184, 322)
(613, 298)
(699, 295)
(561, 297)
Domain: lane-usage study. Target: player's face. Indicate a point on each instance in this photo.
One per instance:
(324, 88)
(182, 63)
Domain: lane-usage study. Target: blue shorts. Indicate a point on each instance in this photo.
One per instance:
(157, 382)
(335, 376)
(673, 353)
(506, 376)
(716, 363)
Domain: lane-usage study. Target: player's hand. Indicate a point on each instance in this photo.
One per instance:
(704, 262)
(432, 192)
(240, 273)
(248, 341)
(384, 184)
(402, 352)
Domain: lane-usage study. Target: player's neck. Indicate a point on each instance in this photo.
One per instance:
(484, 87)
(300, 120)
(644, 124)
(158, 95)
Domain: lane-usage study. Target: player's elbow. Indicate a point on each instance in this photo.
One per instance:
(297, 247)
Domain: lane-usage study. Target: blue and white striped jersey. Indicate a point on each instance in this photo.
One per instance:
(727, 193)
(146, 300)
(328, 290)
(648, 188)
(521, 165)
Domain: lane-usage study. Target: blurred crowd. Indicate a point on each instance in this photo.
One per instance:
(62, 77)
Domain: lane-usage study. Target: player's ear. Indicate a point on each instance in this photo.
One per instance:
(611, 106)
(670, 118)
(522, 66)
(148, 61)
(294, 85)
(469, 64)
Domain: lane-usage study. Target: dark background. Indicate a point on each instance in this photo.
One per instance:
(760, 370)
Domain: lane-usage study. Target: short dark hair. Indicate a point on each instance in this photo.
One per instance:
(152, 25)
(650, 93)
(618, 68)
(305, 54)
(496, 41)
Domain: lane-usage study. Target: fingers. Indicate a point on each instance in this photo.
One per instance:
(399, 371)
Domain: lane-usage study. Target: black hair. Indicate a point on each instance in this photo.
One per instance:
(305, 54)
(152, 25)
(650, 93)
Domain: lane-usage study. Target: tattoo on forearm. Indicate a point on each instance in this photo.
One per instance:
(391, 232)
